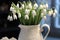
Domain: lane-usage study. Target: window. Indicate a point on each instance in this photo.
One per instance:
(57, 19)
(48, 1)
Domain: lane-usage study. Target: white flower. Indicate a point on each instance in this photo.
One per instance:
(41, 6)
(33, 13)
(4, 38)
(55, 11)
(54, 14)
(19, 15)
(27, 11)
(35, 6)
(45, 17)
(14, 16)
(13, 38)
(44, 11)
(27, 17)
(9, 18)
(30, 6)
(46, 5)
(11, 9)
(50, 12)
(22, 6)
(17, 5)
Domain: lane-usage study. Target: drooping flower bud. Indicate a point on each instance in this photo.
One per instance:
(9, 18)
(33, 13)
(22, 6)
(46, 5)
(14, 17)
(54, 14)
(29, 6)
(27, 17)
(35, 6)
(41, 6)
(45, 17)
(27, 11)
(19, 15)
(11, 9)
(50, 12)
(17, 5)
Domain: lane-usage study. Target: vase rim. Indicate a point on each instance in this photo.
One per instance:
(29, 25)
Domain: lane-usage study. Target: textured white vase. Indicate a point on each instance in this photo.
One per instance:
(32, 32)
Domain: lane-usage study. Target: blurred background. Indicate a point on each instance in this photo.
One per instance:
(10, 29)
(54, 22)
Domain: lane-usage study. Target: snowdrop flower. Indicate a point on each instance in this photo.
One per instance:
(22, 6)
(54, 14)
(35, 6)
(17, 5)
(14, 16)
(30, 6)
(9, 18)
(33, 13)
(46, 5)
(55, 11)
(44, 11)
(19, 15)
(4, 38)
(45, 17)
(50, 12)
(11, 9)
(27, 11)
(41, 6)
(13, 38)
(27, 17)
(42, 14)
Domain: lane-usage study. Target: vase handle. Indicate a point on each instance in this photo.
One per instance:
(45, 25)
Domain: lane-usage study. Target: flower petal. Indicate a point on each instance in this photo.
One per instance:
(35, 6)
(27, 17)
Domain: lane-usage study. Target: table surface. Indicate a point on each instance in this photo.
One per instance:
(52, 38)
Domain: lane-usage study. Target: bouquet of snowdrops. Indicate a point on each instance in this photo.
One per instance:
(30, 14)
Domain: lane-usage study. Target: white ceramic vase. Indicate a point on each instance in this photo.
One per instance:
(32, 32)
